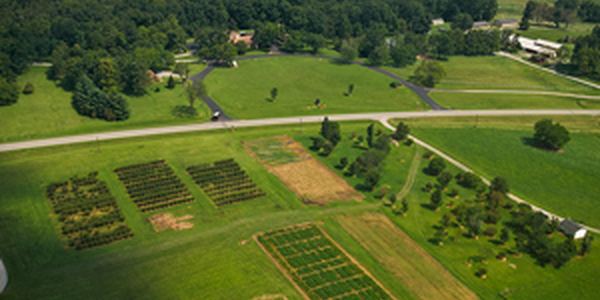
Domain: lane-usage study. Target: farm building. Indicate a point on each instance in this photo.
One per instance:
(439, 21)
(572, 229)
(235, 37)
(506, 23)
(539, 46)
(481, 25)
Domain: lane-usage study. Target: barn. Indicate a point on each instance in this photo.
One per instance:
(572, 229)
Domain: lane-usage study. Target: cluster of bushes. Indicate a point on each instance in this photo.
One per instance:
(224, 182)
(89, 100)
(153, 186)
(317, 265)
(88, 211)
(368, 163)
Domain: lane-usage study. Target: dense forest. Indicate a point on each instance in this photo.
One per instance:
(115, 42)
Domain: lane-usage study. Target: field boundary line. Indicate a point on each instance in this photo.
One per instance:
(486, 181)
(356, 261)
(280, 267)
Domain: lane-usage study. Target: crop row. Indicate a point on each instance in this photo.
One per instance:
(87, 210)
(318, 266)
(96, 239)
(93, 222)
(140, 166)
(224, 182)
(168, 204)
(153, 186)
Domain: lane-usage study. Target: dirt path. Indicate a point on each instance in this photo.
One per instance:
(412, 174)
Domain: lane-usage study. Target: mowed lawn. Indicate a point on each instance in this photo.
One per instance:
(496, 72)
(244, 92)
(563, 183)
(48, 111)
(510, 101)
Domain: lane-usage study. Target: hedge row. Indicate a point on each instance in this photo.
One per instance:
(154, 185)
(101, 238)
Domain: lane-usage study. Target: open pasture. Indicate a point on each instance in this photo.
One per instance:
(318, 266)
(244, 92)
(497, 72)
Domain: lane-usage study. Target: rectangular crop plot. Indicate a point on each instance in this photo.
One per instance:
(224, 182)
(318, 266)
(88, 211)
(153, 186)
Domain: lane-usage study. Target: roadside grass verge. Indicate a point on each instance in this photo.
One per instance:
(510, 101)
(244, 92)
(48, 111)
(496, 72)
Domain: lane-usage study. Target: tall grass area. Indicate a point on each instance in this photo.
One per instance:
(563, 183)
(496, 72)
(48, 111)
(244, 92)
(510, 101)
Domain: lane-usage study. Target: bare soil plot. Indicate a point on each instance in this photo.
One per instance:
(414, 267)
(311, 180)
(317, 266)
(164, 221)
(314, 183)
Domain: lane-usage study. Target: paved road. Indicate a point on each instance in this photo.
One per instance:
(383, 117)
(520, 92)
(505, 54)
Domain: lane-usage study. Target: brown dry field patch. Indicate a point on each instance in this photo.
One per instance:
(314, 183)
(164, 221)
(412, 265)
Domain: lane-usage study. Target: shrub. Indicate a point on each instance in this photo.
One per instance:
(470, 181)
(436, 166)
(318, 143)
(9, 92)
(29, 88)
(171, 82)
(490, 231)
(428, 155)
(395, 84)
(409, 142)
(393, 198)
(481, 272)
(382, 192)
(454, 192)
(343, 162)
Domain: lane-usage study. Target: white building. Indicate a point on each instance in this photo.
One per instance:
(436, 22)
(572, 229)
(539, 46)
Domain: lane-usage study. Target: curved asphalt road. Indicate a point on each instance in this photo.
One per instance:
(420, 91)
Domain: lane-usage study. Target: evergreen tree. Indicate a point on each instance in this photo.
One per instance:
(171, 82)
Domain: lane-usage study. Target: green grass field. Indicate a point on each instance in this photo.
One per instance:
(559, 182)
(205, 259)
(244, 93)
(526, 280)
(48, 112)
(510, 101)
(495, 72)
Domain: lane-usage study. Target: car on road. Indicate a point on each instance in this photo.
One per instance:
(216, 115)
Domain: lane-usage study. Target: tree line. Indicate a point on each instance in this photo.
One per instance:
(563, 11)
